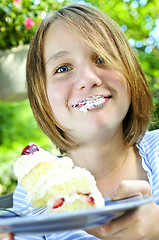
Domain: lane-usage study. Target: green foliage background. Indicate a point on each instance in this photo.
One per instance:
(13, 32)
(137, 18)
(17, 129)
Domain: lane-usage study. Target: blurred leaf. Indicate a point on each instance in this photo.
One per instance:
(17, 129)
(13, 17)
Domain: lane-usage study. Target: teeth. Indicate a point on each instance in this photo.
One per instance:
(91, 103)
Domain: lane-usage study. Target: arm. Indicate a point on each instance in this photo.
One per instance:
(141, 223)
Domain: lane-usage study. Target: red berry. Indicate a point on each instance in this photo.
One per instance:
(90, 200)
(30, 149)
(58, 203)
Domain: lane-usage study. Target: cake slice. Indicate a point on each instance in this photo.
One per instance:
(54, 182)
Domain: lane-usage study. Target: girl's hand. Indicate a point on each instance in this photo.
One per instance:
(6, 236)
(141, 223)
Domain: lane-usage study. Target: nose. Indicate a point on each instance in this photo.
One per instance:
(87, 78)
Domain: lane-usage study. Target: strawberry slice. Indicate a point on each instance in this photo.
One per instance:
(58, 203)
(30, 149)
(88, 198)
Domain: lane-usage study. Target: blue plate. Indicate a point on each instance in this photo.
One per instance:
(80, 219)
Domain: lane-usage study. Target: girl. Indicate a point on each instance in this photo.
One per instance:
(90, 96)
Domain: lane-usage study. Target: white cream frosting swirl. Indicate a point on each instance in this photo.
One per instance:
(26, 163)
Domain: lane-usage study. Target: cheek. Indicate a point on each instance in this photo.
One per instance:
(127, 91)
(56, 93)
(123, 86)
(54, 98)
(55, 103)
(126, 98)
(122, 92)
(58, 96)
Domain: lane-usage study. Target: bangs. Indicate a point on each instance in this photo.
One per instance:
(91, 29)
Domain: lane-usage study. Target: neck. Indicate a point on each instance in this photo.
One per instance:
(102, 157)
(110, 161)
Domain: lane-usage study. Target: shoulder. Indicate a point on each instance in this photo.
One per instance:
(151, 139)
(149, 146)
(151, 135)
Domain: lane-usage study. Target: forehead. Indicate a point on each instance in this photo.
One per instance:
(64, 30)
(60, 41)
(54, 38)
(57, 29)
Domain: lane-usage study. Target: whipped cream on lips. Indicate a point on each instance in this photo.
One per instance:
(92, 102)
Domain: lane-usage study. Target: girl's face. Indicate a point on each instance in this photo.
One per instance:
(86, 97)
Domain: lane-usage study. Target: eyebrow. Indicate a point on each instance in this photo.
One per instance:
(57, 56)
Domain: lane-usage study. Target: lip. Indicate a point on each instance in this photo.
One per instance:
(92, 102)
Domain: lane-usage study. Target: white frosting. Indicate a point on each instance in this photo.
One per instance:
(68, 199)
(96, 195)
(26, 163)
(92, 104)
(60, 175)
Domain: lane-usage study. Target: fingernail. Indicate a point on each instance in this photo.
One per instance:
(5, 238)
(114, 195)
(103, 231)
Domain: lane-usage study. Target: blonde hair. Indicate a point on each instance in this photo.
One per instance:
(106, 38)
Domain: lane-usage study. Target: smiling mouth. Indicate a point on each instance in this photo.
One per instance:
(92, 102)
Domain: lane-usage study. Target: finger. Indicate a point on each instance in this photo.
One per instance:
(6, 236)
(130, 188)
(97, 233)
(132, 225)
(116, 226)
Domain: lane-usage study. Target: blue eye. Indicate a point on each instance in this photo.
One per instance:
(62, 69)
(100, 60)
